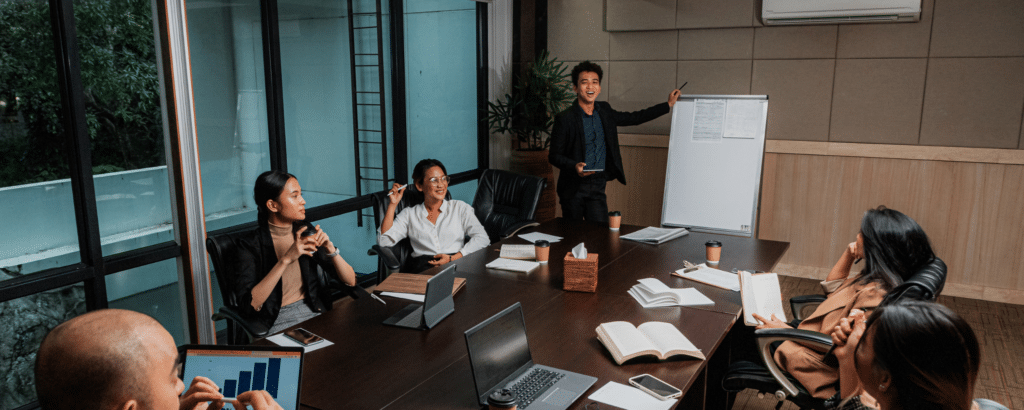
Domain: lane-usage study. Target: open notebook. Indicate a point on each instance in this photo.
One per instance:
(760, 294)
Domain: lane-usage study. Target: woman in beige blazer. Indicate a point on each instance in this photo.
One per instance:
(893, 247)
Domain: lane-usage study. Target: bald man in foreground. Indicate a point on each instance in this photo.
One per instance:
(119, 360)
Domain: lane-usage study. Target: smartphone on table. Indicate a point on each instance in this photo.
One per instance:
(655, 387)
(303, 336)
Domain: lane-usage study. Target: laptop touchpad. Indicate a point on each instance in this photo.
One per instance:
(560, 397)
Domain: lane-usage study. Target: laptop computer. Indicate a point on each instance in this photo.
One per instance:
(238, 369)
(437, 304)
(500, 357)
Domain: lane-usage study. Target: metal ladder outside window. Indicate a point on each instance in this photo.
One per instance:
(370, 136)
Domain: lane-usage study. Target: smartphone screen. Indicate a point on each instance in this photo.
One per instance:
(303, 336)
(657, 386)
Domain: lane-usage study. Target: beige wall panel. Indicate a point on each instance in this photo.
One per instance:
(716, 44)
(639, 85)
(640, 15)
(973, 102)
(887, 40)
(576, 30)
(644, 45)
(799, 97)
(640, 200)
(971, 28)
(727, 77)
(878, 101)
(795, 42)
(971, 212)
(712, 14)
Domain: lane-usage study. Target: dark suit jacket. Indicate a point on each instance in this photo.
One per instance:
(254, 260)
(568, 144)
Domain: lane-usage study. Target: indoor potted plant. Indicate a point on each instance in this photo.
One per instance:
(527, 114)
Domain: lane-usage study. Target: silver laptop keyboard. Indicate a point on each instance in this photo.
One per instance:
(530, 387)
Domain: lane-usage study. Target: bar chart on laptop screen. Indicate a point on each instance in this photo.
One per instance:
(237, 372)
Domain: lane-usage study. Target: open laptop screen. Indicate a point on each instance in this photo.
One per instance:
(498, 350)
(237, 369)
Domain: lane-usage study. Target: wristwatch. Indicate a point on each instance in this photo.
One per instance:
(337, 251)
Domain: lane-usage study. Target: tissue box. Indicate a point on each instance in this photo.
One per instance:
(580, 274)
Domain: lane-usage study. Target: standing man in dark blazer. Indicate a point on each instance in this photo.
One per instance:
(585, 145)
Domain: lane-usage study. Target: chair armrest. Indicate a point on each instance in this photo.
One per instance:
(511, 230)
(387, 256)
(254, 330)
(336, 286)
(799, 303)
(765, 337)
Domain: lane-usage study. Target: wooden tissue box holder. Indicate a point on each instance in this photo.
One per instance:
(580, 274)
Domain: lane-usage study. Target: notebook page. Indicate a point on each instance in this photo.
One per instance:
(666, 336)
(518, 252)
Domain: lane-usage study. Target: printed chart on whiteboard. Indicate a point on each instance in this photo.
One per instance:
(716, 150)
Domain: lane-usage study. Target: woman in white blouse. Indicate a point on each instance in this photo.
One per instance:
(437, 228)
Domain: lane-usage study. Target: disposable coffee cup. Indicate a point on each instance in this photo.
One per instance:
(502, 399)
(714, 253)
(543, 249)
(614, 220)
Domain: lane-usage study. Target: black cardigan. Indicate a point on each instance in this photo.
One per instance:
(254, 260)
(568, 144)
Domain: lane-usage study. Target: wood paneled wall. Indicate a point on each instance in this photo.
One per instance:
(970, 202)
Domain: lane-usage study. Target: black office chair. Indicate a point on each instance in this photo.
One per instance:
(391, 259)
(505, 202)
(240, 330)
(767, 377)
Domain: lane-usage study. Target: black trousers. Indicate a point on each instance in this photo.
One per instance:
(589, 203)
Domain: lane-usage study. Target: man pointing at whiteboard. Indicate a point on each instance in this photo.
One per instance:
(585, 145)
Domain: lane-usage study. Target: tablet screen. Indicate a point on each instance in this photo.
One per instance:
(237, 370)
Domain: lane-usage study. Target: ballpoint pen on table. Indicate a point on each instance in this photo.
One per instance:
(378, 298)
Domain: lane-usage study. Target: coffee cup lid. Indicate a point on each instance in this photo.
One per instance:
(502, 397)
(542, 243)
(713, 244)
(615, 213)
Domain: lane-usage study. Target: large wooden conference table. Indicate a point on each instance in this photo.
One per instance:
(373, 366)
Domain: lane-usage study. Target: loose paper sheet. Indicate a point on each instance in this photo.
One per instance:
(281, 340)
(629, 398)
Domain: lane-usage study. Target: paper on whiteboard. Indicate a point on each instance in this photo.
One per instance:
(744, 119)
(708, 120)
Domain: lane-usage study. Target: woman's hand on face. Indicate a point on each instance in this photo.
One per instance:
(396, 193)
(855, 251)
(847, 335)
(774, 323)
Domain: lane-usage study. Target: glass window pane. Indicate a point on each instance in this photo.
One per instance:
(152, 289)
(25, 322)
(226, 46)
(122, 108)
(35, 188)
(440, 56)
(317, 66)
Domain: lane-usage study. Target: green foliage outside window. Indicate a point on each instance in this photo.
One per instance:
(119, 77)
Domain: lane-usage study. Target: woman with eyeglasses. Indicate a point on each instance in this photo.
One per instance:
(437, 228)
(908, 355)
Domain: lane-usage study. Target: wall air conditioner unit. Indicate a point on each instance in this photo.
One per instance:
(805, 12)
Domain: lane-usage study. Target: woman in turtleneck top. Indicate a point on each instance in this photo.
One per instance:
(276, 267)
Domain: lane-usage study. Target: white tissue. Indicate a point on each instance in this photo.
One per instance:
(580, 251)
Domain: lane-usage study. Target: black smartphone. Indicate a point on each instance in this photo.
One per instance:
(303, 336)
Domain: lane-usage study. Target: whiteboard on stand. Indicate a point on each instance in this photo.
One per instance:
(715, 155)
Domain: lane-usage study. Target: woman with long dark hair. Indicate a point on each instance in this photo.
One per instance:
(437, 228)
(907, 355)
(276, 266)
(894, 248)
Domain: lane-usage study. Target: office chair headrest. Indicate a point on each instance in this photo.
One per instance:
(926, 284)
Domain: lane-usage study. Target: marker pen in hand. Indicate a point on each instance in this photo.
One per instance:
(399, 189)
